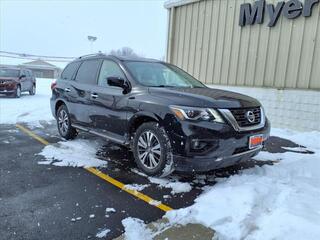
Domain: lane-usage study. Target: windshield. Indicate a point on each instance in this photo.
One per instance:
(9, 72)
(155, 74)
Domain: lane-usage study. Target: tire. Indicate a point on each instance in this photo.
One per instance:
(152, 150)
(33, 90)
(64, 124)
(17, 93)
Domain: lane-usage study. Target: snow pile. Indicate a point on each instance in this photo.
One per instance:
(136, 229)
(170, 182)
(76, 153)
(269, 202)
(174, 184)
(28, 108)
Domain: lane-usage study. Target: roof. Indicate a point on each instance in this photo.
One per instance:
(120, 58)
(13, 67)
(128, 58)
(39, 64)
(177, 3)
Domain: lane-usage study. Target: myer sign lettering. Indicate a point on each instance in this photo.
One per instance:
(254, 13)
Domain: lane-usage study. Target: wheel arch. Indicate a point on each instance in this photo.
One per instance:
(140, 118)
(58, 104)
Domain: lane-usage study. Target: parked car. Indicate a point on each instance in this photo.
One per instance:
(14, 81)
(170, 120)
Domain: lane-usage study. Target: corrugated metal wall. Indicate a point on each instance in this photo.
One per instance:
(205, 40)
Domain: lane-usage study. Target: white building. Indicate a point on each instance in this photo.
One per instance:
(267, 49)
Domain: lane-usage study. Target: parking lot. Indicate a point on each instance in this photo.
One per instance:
(50, 202)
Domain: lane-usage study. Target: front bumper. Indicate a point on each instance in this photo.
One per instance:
(204, 164)
(6, 91)
(225, 146)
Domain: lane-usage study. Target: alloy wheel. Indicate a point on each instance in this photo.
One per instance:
(149, 150)
(63, 121)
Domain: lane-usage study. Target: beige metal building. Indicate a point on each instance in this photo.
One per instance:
(232, 44)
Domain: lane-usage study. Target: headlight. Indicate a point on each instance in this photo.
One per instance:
(196, 114)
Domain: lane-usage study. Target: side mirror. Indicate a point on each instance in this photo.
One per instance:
(118, 82)
(22, 76)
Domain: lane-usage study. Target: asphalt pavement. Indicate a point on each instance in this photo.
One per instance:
(49, 202)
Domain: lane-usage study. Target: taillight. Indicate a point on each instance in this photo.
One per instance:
(53, 84)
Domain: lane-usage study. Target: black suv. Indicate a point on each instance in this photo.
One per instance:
(170, 120)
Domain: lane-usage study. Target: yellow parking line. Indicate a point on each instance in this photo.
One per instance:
(135, 193)
(31, 134)
(105, 177)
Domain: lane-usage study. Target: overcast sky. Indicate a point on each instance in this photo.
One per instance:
(60, 28)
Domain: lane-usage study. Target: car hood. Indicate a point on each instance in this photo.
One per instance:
(204, 97)
(8, 78)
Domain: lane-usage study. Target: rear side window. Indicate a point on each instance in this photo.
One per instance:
(70, 70)
(87, 72)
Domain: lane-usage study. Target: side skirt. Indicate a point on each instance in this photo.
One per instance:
(109, 136)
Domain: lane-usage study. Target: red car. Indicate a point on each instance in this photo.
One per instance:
(14, 81)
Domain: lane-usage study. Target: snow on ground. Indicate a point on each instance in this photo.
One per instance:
(280, 201)
(30, 109)
(136, 229)
(269, 202)
(76, 153)
(174, 184)
(102, 233)
(136, 187)
(169, 182)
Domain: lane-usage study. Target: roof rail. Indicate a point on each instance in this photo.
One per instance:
(91, 55)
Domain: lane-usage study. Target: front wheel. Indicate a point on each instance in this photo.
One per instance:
(64, 124)
(152, 150)
(17, 93)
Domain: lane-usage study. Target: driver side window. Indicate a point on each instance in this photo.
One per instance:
(109, 69)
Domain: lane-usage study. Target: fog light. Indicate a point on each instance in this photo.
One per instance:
(197, 145)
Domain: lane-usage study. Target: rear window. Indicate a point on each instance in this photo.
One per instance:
(87, 72)
(9, 72)
(69, 71)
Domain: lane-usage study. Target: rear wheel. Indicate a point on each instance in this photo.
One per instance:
(64, 124)
(152, 150)
(32, 91)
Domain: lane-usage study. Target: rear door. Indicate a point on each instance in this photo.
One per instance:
(85, 81)
(108, 110)
(66, 91)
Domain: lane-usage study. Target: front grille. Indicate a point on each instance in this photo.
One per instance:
(240, 114)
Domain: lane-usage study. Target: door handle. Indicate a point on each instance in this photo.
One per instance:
(67, 89)
(94, 95)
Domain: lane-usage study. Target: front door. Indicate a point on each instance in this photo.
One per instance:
(108, 111)
(23, 80)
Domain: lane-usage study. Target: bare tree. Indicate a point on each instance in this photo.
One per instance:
(125, 52)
